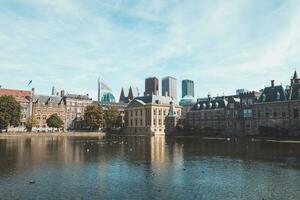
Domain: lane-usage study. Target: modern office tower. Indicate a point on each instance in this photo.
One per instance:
(151, 86)
(187, 88)
(169, 87)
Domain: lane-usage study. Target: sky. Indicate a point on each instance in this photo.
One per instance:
(220, 45)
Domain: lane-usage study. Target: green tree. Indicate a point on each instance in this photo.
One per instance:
(54, 121)
(94, 117)
(31, 122)
(112, 117)
(10, 112)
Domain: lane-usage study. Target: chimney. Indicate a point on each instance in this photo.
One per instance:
(87, 95)
(272, 83)
(62, 93)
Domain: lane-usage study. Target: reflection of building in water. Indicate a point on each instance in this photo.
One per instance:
(158, 151)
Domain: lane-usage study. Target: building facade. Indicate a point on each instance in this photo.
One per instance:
(75, 108)
(187, 88)
(272, 112)
(169, 87)
(23, 97)
(43, 107)
(151, 86)
(146, 115)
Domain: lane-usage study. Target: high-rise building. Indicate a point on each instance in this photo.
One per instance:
(169, 87)
(187, 88)
(151, 86)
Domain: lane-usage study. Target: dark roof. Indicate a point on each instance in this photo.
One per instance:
(209, 104)
(45, 99)
(77, 96)
(154, 99)
(272, 94)
(294, 92)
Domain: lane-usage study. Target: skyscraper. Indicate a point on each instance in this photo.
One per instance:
(187, 88)
(169, 87)
(151, 86)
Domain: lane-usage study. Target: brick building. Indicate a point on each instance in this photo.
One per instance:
(44, 106)
(23, 97)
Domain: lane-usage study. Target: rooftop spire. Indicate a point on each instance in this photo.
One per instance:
(122, 96)
(295, 75)
(130, 94)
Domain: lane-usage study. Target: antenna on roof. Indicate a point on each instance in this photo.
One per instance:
(138, 93)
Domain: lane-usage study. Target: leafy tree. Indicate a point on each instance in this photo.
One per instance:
(112, 117)
(31, 122)
(10, 112)
(54, 121)
(94, 117)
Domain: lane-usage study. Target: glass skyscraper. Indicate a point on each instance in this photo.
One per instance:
(187, 88)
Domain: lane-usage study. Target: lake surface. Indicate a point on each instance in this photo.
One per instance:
(117, 167)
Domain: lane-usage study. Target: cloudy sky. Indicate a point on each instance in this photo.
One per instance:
(221, 45)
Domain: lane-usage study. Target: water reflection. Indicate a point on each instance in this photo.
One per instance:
(148, 167)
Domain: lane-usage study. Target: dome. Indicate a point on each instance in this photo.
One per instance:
(187, 100)
(108, 97)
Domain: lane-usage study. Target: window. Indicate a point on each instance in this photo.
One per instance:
(267, 115)
(154, 122)
(283, 114)
(159, 122)
(141, 112)
(159, 112)
(258, 114)
(136, 122)
(247, 113)
(141, 122)
(154, 112)
(136, 113)
(275, 114)
(131, 114)
(296, 115)
(131, 123)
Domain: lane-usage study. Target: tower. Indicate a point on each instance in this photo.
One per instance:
(122, 96)
(99, 90)
(169, 87)
(171, 119)
(187, 88)
(151, 86)
(130, 94)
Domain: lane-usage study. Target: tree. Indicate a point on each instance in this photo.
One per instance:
(112, 117)
(94, 117)
(31, 122)
(10, 112)
(54, 121)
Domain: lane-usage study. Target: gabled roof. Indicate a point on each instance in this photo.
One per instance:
(272, 94)
(19, 95)
(77, 96)
(44, 99)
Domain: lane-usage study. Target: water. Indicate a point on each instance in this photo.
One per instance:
(147, 168)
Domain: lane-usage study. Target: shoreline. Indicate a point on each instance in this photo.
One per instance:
(52, 134)
(101, 134)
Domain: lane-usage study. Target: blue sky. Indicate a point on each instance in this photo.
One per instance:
(221, 45)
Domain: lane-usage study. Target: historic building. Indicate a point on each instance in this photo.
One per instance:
(273, 111)
(279, 108)
(43, 107)
(75, 108)
(128, 98)
(171, 120)
(23, 97)
(146, 115)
